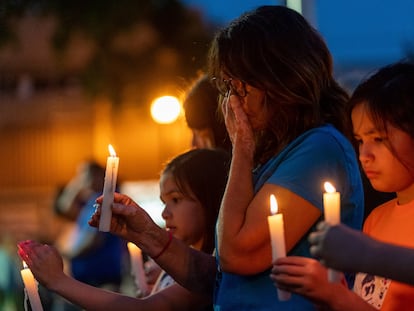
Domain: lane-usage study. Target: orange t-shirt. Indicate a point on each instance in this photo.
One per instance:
(391, 223)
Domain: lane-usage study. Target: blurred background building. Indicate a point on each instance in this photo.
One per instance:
(78, 75)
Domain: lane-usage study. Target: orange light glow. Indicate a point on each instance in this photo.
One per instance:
(165, 109)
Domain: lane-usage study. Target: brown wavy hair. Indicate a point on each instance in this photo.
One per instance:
(273, 48)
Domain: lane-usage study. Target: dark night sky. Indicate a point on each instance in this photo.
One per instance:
(371, 31)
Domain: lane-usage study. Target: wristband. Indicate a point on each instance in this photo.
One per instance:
(165, 247)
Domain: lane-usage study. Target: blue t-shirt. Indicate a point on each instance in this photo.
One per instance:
(319, 155)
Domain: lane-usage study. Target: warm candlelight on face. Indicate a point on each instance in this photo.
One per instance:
(111, 174)
(277, 237)
(30, 285)
(137, 267)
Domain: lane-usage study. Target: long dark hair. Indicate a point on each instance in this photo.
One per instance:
(273, 48)
(388, 98)
(202, 173)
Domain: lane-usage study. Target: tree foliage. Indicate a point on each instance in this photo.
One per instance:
(176, 48)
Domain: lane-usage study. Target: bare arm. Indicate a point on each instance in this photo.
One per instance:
(47, 266)
(192, 269)
(243, 235)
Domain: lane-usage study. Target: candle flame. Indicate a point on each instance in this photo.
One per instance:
(273, 204)
(329, 188)
(25, 264)
(132, 246)
(111, 150)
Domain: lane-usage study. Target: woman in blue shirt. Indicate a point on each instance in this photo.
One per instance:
(285, 116)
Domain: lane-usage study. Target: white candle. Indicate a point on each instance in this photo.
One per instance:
(277, 236)
(30, 285)
(137, 267)
(331, 206)
(111, 175)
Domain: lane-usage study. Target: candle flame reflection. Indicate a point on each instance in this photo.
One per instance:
(329, 188)
(111, 150)
(273, 204)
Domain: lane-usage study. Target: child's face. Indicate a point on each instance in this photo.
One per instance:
(386, 158)
(183, 215)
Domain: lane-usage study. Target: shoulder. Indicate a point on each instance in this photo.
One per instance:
(324, 145)
(320, 150)
(325, 136)
(316, 156)
(379, 212)
(381, 209)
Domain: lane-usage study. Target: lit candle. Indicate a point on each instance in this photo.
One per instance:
(137, 267)
(30, 285)
(331, 206)
(277, 236)
(111, 175)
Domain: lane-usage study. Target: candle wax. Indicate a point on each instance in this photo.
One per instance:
(32, 290)
(111, 175)
(277, 236)
(331, 205)
(137, 267)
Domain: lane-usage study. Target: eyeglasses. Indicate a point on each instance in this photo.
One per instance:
(237, 87)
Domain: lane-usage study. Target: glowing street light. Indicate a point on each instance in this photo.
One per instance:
(165, 109)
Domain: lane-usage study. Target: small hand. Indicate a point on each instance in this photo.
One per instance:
(303, 276)
(44, 261)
